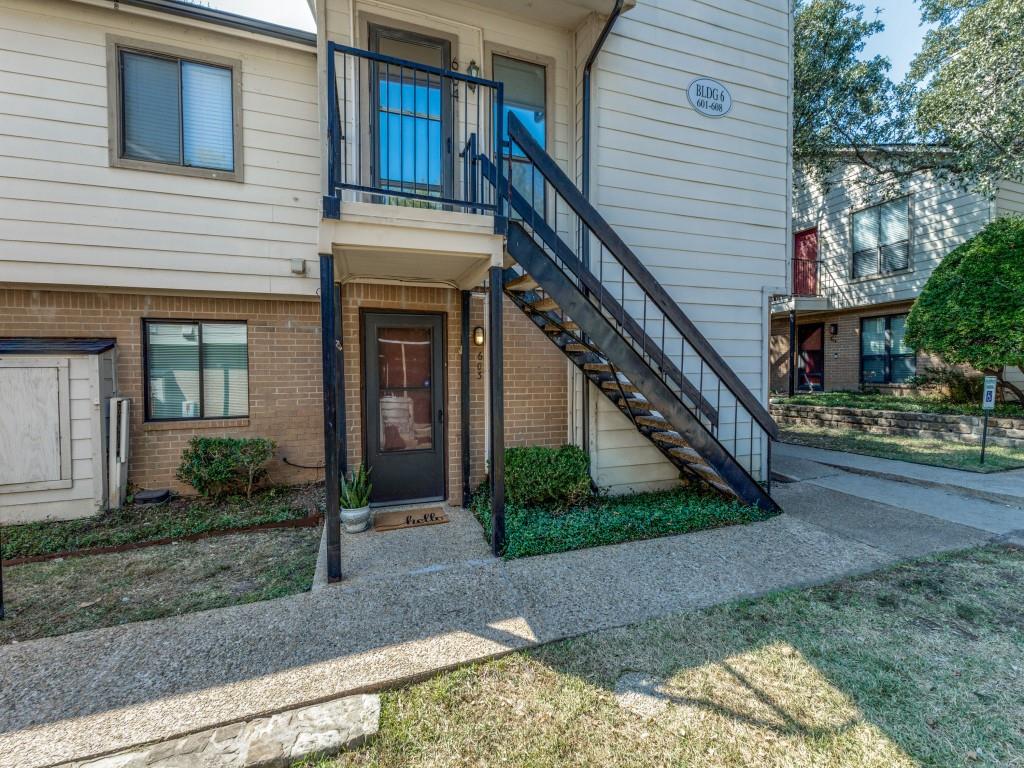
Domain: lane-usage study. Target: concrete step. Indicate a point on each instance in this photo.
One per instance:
(655, 422)
(670, 438)
(522, 283)
(576, 347)
(597, 368)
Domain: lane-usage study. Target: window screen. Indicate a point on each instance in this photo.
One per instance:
(196, 370)
(176, 112)
(881, 239)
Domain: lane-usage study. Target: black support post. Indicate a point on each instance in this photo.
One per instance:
(792, 351)
(497, 437)
(331, 348)
(464, 397)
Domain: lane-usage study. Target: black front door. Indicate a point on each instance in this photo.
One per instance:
(404, 406)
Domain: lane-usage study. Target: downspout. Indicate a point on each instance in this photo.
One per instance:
(591, 58)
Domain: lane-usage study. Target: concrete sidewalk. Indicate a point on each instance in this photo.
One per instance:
(102, 691)
(1002, 487)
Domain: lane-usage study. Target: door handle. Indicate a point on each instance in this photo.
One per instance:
(440, 416)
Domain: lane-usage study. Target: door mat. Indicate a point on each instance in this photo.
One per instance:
(408, 518)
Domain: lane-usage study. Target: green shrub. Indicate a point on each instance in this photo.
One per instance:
(612, 520)
(218, 466)
(957, 386)
(971, 310)
(355, 491)
(555, 478)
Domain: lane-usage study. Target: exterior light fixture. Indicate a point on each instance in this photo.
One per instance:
(478, 336)
(833, 330)
(473, 70)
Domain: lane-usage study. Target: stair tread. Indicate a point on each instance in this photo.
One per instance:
(574, 346)
(567, 325)
(547, 304)
(654, 421)
(597, 367)
(522, 283)
(625, 386)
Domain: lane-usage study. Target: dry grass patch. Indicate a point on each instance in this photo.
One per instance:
(60, 596)
(919, 665)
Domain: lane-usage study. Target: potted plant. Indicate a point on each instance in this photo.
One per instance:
(354, 497)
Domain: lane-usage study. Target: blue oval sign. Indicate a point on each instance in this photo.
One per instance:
(709, 97)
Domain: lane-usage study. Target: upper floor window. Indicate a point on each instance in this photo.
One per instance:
(175, 113)
(196, 370)
(881, 238)
(525, 96)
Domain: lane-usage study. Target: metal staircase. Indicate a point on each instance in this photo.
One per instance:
(607, 313)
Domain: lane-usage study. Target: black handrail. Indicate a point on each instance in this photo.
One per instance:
(590, 282)
(609, 238)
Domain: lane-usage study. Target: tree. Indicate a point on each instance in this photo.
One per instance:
(841, 101)
(969, 93)
(971, 310)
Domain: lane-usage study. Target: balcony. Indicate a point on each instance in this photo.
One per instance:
(406, 141)
(809, 293)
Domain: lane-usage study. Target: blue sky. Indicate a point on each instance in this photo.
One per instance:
(902, 36)
(900, 40)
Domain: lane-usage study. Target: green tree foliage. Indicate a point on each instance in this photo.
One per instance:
(971, 310)
(841, 101)
(970, 88)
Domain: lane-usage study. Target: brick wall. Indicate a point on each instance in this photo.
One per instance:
(285, 396)
(285, 401)
(536, 390)
(842, 352)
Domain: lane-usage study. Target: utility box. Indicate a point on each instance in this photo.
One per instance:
(54, 427)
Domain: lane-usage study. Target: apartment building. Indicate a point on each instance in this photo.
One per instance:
(862, 252)
(427, 232)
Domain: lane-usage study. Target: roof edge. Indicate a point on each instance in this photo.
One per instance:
(224, 19)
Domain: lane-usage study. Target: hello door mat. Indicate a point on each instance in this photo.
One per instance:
(408, 518)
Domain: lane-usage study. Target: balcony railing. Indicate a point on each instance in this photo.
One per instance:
(404, 133)
(805, 277)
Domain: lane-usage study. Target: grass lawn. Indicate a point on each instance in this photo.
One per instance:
(612, 520)
(939, 453)
(907, 404)
(66, 595)
(922, 664)
(179, 517)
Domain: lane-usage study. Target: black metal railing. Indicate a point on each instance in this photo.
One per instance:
(805, 277)
(555, 213)
(404, 133)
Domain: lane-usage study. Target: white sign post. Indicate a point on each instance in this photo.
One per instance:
(988, 402)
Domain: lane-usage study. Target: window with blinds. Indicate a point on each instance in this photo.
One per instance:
(176, 111)
(196, 370)
(885, 357)
(881, 239)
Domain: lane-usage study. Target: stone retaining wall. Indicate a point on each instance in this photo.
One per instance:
(1005, 432)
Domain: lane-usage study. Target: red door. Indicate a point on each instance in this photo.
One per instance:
(811, 349)
(805, 263)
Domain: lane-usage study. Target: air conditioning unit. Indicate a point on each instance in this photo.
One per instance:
(117, 451)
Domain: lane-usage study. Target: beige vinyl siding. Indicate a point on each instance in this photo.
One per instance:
(942, 216)
(1010, 199)
(91, 384)
(703, 202)
(68, 218)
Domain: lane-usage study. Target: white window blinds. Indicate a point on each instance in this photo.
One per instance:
(177, 112)
(207, 116)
